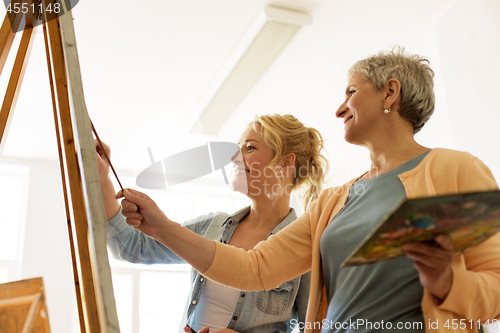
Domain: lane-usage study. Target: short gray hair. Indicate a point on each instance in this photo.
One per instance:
(415, 75)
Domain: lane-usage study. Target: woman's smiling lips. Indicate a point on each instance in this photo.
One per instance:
(346, 119)
(240, 171)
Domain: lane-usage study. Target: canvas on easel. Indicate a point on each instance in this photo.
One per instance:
(22, 307)
(86, 221)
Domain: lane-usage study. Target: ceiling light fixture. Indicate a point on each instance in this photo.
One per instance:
(263, 42)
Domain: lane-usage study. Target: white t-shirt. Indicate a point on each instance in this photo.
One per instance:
(215, 307)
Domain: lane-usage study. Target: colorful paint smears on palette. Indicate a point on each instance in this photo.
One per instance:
(469, 219)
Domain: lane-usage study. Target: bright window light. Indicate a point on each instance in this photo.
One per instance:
(14, 194)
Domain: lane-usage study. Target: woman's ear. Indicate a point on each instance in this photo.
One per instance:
(289, 165)
(392, 93)
(289, 160)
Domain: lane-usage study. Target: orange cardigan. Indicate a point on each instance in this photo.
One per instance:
(475, 292)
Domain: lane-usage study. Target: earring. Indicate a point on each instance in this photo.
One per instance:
(386, 111)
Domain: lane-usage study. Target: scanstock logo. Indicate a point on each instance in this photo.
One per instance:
(34, 11)
(188, 165)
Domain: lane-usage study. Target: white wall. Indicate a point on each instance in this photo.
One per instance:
(468, 42)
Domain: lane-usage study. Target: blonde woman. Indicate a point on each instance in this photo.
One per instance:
(388, 98)
(278, 154)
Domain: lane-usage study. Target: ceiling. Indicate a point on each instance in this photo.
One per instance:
(145, 66)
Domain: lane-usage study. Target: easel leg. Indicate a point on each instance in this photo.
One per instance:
(7, 34)
(94, 288)
(73, 180)
(16, 80)
(65, 190)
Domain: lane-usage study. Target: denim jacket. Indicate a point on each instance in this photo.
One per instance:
(255, 312)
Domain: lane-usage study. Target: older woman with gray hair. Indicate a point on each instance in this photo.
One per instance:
(389, 97)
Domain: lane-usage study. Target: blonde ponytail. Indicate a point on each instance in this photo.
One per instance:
(317, 168)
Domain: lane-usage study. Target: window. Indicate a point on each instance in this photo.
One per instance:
(14, 194)
(150, 298)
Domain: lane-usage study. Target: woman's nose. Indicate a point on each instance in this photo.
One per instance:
(341, 110)
(237, 157)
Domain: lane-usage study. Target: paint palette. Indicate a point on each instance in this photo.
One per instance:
(468, 219)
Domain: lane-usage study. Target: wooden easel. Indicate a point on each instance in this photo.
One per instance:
(22, 307)
(84, 207)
